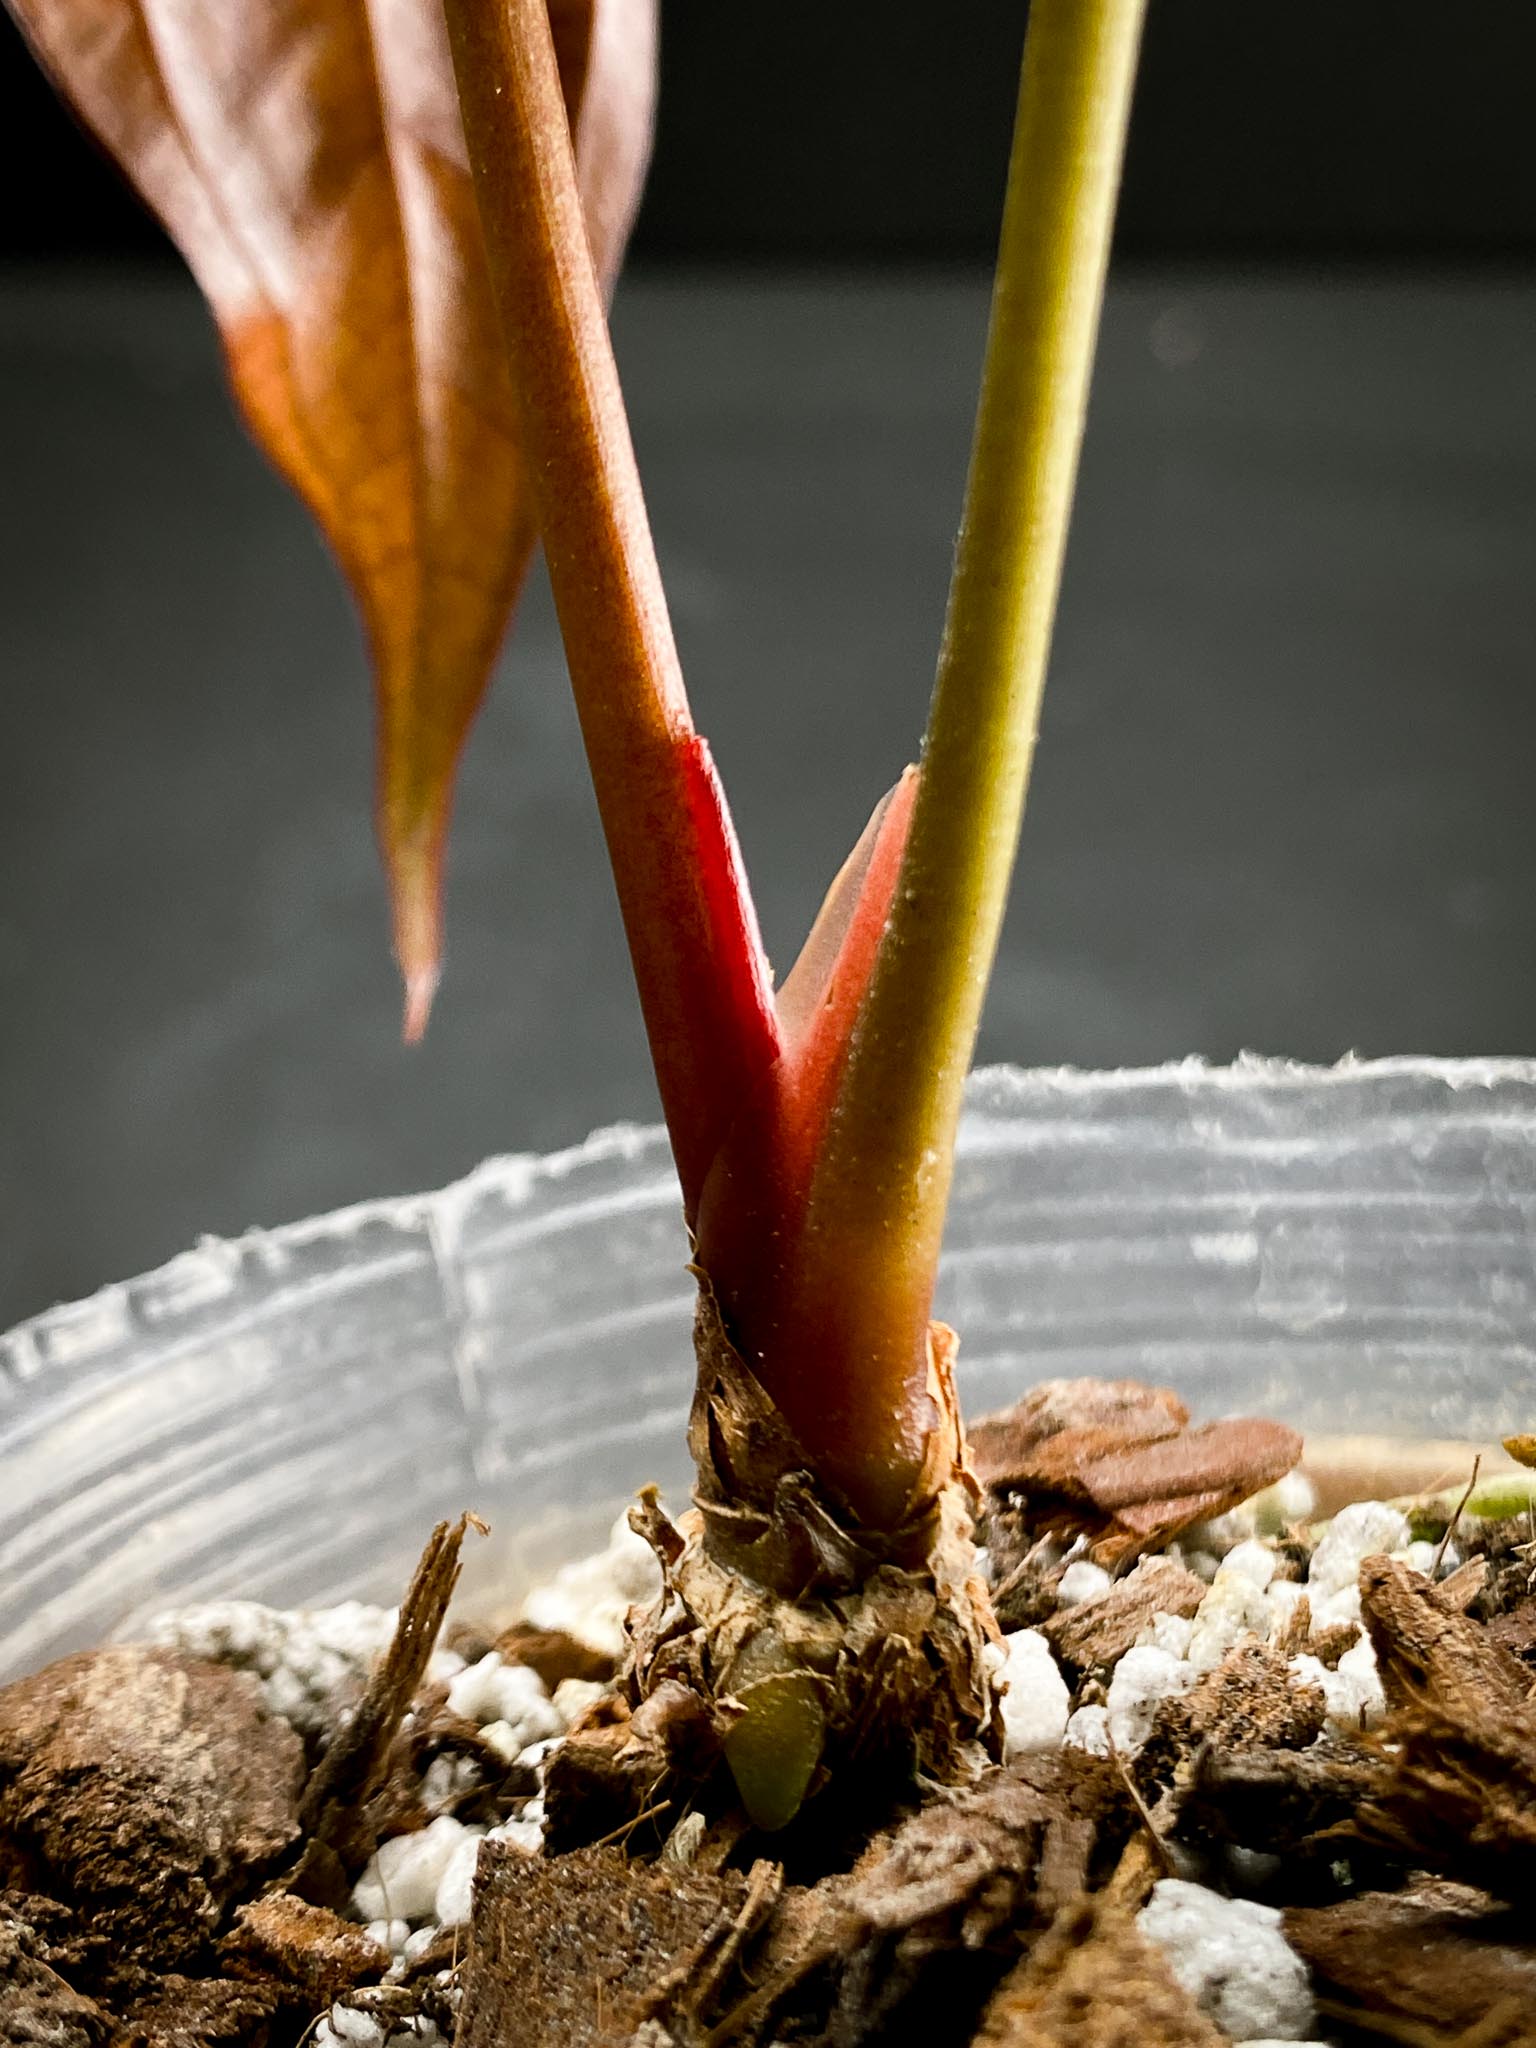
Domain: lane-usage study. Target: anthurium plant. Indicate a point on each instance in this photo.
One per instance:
(405, 216)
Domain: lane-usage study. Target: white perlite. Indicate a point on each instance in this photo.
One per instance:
(495, 1694)
(303, 1656)
(589, 1599)
(1232, 1959)
(1284, 1597)
(1033, 1699)
(1353, 1693)
(1089, 1729)
(1251, 1560)
(345, 2027)
(1234, 1607)
(1082, 1582)
(1142, 1680)
(1291, 1499)
(573, 1696)
(401, 1881)
(1367, 1529)
(1170, 1632)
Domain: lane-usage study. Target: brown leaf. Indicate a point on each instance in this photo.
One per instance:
(1002, 1445)
(1113, 1459)
(308, 158)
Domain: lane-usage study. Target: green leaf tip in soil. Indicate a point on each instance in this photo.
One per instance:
(773, 1750)
(309, 162)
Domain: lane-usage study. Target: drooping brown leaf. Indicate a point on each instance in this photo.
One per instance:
(308, 158)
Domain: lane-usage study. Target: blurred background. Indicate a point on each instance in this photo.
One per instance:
(1283, 799)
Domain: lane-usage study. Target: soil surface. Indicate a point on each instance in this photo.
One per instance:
(1260, 1778)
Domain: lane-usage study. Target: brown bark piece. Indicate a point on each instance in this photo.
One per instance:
(910, 1942)
(1114, 1460)
(1002, 1445)
(1097, 1634)
(1278, 1798)
(56, 1935)
(342, 1833)
(314, 1954)
(148, 1789)
(1427, 1651)
(572, 1949)
(606, 1776)
(1093, 1982)
(553, 1654)
(973, 1858)
(1250, 1701)
(1146, 1494)
(199, 2012)
(1460, 1796)
(1516, 1632)
(36, 2005)
(1439, 1957)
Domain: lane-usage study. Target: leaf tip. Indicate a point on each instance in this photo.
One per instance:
(420, 988)
(415, 876)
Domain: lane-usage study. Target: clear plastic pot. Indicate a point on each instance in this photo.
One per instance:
(283, 1416)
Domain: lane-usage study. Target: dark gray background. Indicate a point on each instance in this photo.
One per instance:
(1283, 797)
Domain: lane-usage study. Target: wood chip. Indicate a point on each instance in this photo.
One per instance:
(1460, 1796)
(36, 2004)
(1113, 1459)
(555, 1655)
(341, 1833)
(199, 2012)
(147, 1788)
(1094, 1982)
(1097, 1634)
(1002, 1445)
(577, 1949)
(1279, 1799)
(313, 1954)
(1515, 1632)
(1441, 1956)
(1250, 1701)
(1427, 1651)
